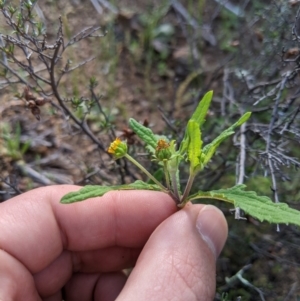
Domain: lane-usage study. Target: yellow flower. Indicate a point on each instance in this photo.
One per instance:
(118, 148)
(114, 145)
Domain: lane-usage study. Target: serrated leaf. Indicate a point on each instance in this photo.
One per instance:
(260, 207)
(195, 144)
(202, 108)
(144, 133)
(210, 148)
(199, 117)
(91, 191)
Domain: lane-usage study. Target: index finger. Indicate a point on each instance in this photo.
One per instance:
(35, 227)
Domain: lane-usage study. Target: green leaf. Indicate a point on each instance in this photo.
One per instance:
(243, 119)
(158, 175)
(199, 117)
(91, 191)
(202, 108)
(144, 133)
(260, 207)
(210, 148)
(194, 145)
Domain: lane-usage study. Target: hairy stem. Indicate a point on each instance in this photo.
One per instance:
(167, 176)
(175, 185)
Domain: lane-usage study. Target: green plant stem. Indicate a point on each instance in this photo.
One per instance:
(175, 185)
(188, 187)
(167, 176)
(144, 170)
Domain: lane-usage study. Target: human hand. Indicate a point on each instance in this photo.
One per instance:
(82, 247)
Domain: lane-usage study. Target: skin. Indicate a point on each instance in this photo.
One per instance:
(83, 247)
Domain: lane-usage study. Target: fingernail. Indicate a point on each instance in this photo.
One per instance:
(212, 227)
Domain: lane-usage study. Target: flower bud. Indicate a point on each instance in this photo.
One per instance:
(118, 148)
(162, 151)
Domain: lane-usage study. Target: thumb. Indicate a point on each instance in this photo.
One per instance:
(179, 260)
